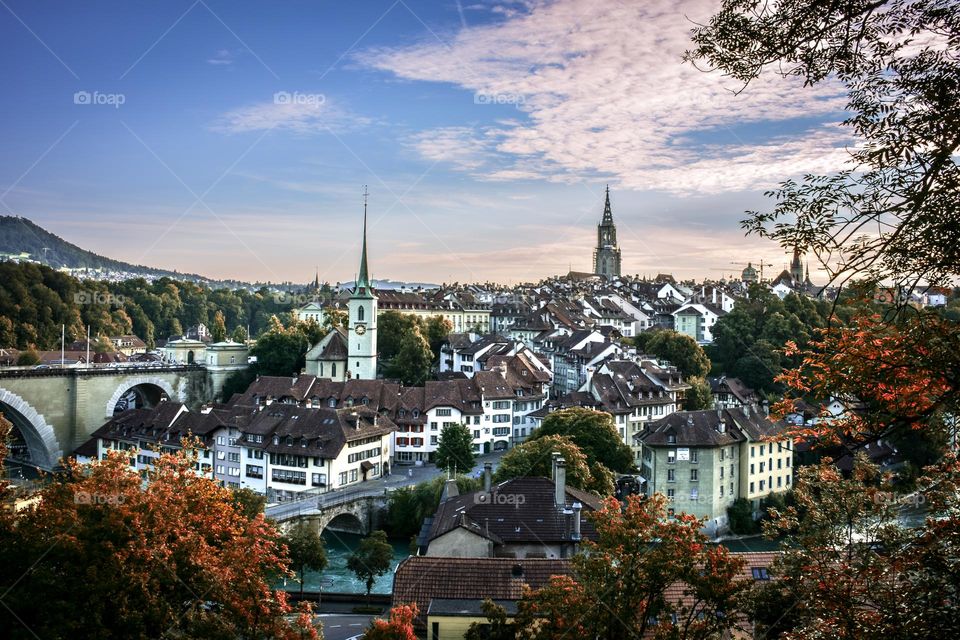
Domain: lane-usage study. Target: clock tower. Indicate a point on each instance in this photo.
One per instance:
(362, 307)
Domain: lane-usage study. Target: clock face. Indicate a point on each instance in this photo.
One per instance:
(360, 329)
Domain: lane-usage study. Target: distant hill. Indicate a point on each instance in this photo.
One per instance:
(20, 235)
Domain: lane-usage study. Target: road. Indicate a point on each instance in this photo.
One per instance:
(340, 626)
(400, 476)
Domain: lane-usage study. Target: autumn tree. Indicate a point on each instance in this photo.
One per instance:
(219, 329)
(620, 587)
(372, 559)
(534, 457)
(107, 553)
(306, 551)
(681, 350)
(699, 396)
(399, 626)
(593, 432)
(455, 448)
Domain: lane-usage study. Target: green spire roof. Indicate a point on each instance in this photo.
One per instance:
(363, 280)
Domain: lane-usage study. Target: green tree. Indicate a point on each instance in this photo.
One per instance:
(280, 351)
(413, 362)
(699, 395)
(239, 335)
(593, 432)
(436, 330)
(497, 626)
(392, 326)
(336, 318)
(219, 329)
(740, 514)
(305, 549)
(408, 506)
(372, 559)
(535, 458)
(28, 358)
(681, 350)
(237, 382)
(455, 448)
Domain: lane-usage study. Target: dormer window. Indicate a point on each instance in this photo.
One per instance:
(332, 402)
(276, 440)
(416, 413)
(289, 441)
(671, 438)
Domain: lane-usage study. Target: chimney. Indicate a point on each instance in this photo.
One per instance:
(577, 508)
(553, 464)
(487, 476)
(450, 490)
(766, 408)
(560, 483)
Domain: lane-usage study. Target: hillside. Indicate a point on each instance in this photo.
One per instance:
(21, 235)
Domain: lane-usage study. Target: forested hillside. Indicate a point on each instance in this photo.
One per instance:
(35, 300)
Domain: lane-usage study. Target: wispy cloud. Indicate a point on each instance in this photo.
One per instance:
(223, 57)
(302, 113)
(602, 92)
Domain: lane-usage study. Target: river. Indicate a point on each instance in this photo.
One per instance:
(337, 578)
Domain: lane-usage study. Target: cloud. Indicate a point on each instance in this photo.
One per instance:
(222, 57)
(602, 92)
(301, 113)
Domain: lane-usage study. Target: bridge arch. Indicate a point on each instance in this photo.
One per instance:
(345, 521)
(151, 389)
(40, 437)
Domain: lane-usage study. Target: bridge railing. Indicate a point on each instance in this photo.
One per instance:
(314, 503)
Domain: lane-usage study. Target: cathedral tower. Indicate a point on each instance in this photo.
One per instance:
(606, 257)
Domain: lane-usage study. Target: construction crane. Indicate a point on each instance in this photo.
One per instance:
(761, 264)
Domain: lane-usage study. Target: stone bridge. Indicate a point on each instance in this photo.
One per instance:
(358, 510)
(55, 410)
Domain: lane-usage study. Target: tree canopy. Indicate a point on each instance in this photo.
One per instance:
(681, 350)
(534, 457)
(455, 448)
(177, 553)
(305, 549)
(593, 432)
(372, 559)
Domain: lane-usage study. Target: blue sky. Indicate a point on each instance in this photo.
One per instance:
(233, 138)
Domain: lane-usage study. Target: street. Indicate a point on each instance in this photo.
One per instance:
(341, 626)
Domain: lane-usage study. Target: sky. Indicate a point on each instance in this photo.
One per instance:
(234, 138)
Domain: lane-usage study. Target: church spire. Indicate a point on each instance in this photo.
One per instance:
(607, 213)
(363, 280)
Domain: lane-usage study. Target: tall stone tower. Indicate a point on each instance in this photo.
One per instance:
(606, 257)
(362, 307)
(796, 268)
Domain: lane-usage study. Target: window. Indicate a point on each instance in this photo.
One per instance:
(762, 483)
(721, 473)
(319, 479)
(751, 487)
(671, 439)
(694, 455)
(788, 481)
(671, 493)
(254, 471)
(443, 412)
(501, 417)
(721, 491)
(333, 374)
(693, 475)
(694, 494)
(751, 468)
(360, 313)
(779, 480)
(760, 573)
(671, 475)
(221, 440)
(762, 464)
(671, 456)
(753, 451)
(501, 404)
(762, 448)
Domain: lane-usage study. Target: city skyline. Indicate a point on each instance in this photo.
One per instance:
(192, 136)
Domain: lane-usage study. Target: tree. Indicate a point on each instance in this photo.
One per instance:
(28, 358)
(335, 319)
(534, 458)
(280, 351)
(392, 326)
(408, 506)
(699, 395)
(740, 514)
(455, 448)
(681, 350)
(372, 559)
(496, 627)
(398, 627)
(306, 551)
(174, 553)
(249, 502)
(592, 431)
(413, 362)
(436, 330)
(239, 335)
(219, 329)
(850, 570)
(891, 212)
(620, 587)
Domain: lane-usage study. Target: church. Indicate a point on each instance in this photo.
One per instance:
(351, 354)
(606, 256)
